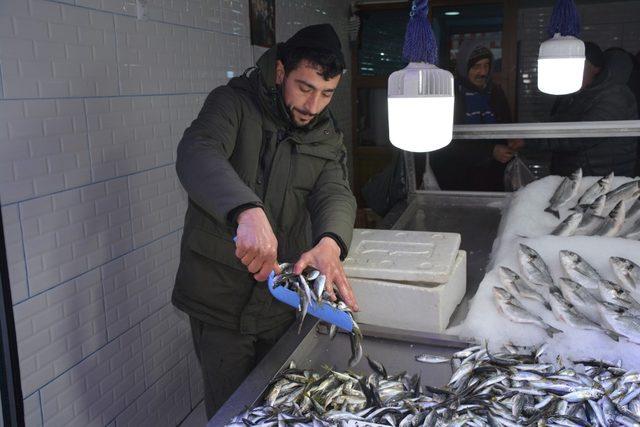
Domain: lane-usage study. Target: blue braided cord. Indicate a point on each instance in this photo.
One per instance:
(419, 42)
(564, 19)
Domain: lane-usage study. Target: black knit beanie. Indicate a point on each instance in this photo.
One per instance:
(320, 37)
(478, 54)
(593, 54)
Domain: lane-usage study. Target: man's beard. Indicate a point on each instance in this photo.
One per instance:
(303, 113)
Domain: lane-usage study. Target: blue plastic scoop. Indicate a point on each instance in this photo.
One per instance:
(322, 311)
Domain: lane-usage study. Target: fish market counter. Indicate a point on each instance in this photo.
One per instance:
(475, 216)
(312, 349)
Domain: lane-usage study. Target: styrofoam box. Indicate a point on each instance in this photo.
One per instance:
(402, 256)
(404, 293)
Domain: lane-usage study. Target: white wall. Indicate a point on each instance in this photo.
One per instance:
(92, 105)
(607, 23)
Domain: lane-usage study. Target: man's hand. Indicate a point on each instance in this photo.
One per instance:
(256, 245)
(515, 144)
(502, 153)
(325, 257)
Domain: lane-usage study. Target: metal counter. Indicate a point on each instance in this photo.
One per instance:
(313, 349)
(476, 217)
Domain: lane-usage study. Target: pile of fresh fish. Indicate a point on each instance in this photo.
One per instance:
(589, 216)
(582, 300)
(310, 287)
(507, 388)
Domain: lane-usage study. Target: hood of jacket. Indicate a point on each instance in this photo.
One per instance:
(462, 58)
(619, 64)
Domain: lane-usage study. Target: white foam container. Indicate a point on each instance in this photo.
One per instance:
(409, 280)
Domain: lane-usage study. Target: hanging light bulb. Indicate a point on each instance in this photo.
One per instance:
(561, 58)
(420, 96)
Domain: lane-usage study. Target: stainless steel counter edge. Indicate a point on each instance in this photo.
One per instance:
(614, 128)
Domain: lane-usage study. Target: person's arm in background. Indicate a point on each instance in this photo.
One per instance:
(212, 183)
(504, 152)
(332, 208)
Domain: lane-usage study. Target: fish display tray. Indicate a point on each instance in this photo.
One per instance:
(312, 349)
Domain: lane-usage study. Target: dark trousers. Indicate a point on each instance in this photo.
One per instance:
(226, 358)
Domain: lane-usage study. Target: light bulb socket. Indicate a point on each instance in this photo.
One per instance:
(561, 47)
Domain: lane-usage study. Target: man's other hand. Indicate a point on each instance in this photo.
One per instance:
(325, 257)
(502, 153)
(515, 144)
(256, 245)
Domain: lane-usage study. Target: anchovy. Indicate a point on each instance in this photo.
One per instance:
(432, 358)
(564, 193)
(569, 225)
(481, 392)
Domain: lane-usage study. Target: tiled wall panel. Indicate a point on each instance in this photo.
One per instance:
(166, 340)
(43, 148)
(32, 411)
(158, 204)
(139, 283)
(58, 50)
(15, 253)
(95, 391)
(93, 103)
(165, 403)
(57, 329)
(74, 231)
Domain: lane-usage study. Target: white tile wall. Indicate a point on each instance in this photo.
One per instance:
(57, 50)
(92, 105)
(57, 329)
(43, 148)
(32, 411)
(165, 403)
(96, 390)
(15, 253)
(158, 204)
(129, 134)
(139, 283)
(74, 231)
(166, 340)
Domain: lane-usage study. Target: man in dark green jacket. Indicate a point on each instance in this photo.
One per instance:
(263, 161)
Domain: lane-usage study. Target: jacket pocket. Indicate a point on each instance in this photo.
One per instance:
(308, 162)
(215, 248)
